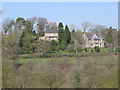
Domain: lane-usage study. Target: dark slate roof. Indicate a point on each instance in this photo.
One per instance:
(51, 31)
(99, 35)
(90, 35)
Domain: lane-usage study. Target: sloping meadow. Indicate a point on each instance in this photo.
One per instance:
(63, 72)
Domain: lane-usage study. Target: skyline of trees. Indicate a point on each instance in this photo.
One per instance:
(39, 24)
(26, 35)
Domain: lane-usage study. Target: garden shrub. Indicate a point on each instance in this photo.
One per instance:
(86, 50)
(70, 48)
(97, 49)
(91, 50)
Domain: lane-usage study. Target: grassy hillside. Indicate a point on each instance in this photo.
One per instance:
(83, 72)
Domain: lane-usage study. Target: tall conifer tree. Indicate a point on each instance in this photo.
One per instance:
(67, 35)
(60, 32)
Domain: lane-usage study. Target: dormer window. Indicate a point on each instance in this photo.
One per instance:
(95, 36)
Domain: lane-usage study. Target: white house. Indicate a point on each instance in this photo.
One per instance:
(51, 34)
(93, 39)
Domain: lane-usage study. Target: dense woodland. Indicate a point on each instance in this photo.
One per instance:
(20, 41)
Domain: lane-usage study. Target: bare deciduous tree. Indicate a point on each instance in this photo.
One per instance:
(76, 39)
(1, 12)
(73, 27)
(41, 25)
(32, 20)
(7, 24)
(85, 25)
(100, 27)
(52, 25)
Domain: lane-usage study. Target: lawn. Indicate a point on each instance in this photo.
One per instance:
(54, 59)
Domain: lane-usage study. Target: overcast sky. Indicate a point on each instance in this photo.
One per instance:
(103, 13)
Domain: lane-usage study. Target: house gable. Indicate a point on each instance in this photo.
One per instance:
(51, 34)
(92, 39)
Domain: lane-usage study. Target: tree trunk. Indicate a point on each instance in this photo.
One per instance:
(76, 50)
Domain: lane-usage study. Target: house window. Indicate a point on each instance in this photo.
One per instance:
(92, 44)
